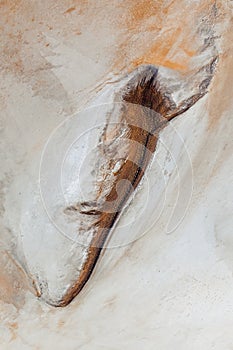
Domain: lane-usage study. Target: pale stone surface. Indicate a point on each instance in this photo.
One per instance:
(164, 290)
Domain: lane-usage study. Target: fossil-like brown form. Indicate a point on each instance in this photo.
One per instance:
(155, 108)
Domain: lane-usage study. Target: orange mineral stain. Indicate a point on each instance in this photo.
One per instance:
(71, 9)
(161, 34)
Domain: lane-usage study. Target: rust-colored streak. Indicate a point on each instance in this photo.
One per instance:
(153, 112)
(69, 10)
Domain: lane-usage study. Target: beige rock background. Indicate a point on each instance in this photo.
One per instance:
(165, 290)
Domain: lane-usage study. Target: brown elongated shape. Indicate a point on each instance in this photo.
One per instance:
(144, 126)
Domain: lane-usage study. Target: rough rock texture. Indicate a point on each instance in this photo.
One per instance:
(164, 290)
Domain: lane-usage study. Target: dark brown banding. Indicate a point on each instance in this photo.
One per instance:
(143, 90)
